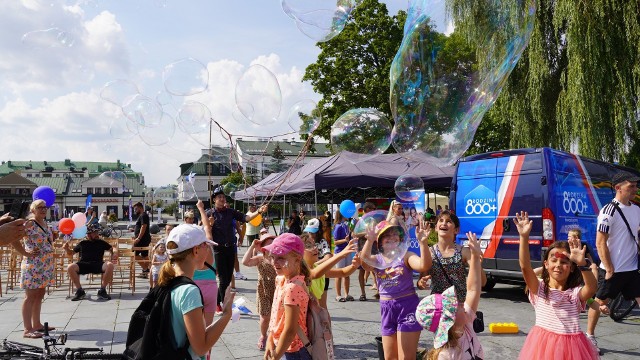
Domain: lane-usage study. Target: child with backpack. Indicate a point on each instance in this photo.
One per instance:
(291, 299)
(451, 320)
(558, 298)
(187, 247)
(398, 297)
(266, 281)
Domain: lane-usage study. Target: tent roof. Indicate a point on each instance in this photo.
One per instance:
(350, 174)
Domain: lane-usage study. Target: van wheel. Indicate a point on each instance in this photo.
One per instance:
(489, 285)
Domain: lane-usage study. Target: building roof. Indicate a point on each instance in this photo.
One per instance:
(93, 167)
(289, 148)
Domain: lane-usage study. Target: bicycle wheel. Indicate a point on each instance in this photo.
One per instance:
(8, 345)
(117, 233)
(619, 308)
(97, 356)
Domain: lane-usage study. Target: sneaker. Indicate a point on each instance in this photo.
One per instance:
(240, 276)
(594, 342)
(80, 294)
(218, 310)
(103, 295)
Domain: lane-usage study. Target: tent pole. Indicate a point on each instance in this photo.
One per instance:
(315, 195)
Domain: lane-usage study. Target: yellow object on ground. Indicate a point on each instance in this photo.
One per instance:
(503, 328)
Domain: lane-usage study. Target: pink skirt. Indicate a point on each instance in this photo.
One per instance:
(545, 344)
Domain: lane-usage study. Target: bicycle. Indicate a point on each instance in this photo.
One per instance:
(111, 231)
(51, 351)
(619, 308)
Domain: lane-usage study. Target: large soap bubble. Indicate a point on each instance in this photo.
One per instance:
(304, 117)
(185, 77)
(143, 111)
(449, 70)
(122, 128)
(193, 117)
(320, 20)
(48, 38)
(363, 131)
(111, 178)
(119, 92)
(409, 187)
(159, 134)
(392, 241)
(258, 95)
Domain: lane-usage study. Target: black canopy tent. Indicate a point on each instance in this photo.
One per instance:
(348, 176)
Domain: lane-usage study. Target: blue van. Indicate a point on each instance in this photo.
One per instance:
(559, 190)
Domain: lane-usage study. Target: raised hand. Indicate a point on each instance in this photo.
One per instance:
(422, 231)
(371, 233)
(474, 245)
(423, 282)
(357, 261)
(578, 251)
(523, 224)
(351, 247)
(200, 205)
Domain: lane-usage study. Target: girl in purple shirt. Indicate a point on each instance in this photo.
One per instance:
(398, 298)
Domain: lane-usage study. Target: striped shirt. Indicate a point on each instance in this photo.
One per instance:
(622, 249)
(560, 313)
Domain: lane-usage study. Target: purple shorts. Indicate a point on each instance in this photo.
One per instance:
(209, 290)
(399, 315)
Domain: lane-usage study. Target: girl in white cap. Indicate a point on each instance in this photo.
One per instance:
(188, 249)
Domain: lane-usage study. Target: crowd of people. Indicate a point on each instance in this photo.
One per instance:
(296, 266)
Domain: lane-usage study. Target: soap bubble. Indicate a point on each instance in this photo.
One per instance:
(193, 117)
(383, 254)
(363, 131)
(111, 178)
(185, 77)
(143, 111)
(229, 188)
(187, 191)
(48, 38)
(122, 128)
(437, 103)
(304, 117)
(258, 95)
(119, 92)
(160, 133)
(320, 20)
(409, 187)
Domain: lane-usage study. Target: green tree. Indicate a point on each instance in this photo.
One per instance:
(277, 160)
(577, 85)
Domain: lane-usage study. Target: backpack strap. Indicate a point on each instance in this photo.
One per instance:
(303, 337)
(617, 207)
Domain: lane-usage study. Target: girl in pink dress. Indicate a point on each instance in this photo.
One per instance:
(557, 298)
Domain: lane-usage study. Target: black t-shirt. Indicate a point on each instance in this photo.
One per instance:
(92, 250)
(146, 237)
(224, 231)
(295, 225)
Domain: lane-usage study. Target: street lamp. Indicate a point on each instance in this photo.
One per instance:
(151, 204)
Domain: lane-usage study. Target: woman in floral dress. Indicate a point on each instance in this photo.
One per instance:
(36, 268)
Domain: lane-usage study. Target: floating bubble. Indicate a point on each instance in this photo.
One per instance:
(48, 38)
(193, 117)
(320, 20)
(449, 70)
(229, 188)
(304, 117)
(185, 77)
(363, 131)
(164, 98)
(187, 191)
(143, 111)
(122, 129)
(111, 178)
(392, 245)
(238, 115)
(409, 187)
(159, 134)
(119, 92)
(258, 95)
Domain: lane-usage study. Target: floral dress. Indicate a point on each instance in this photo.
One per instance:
(266, 287)
(455, 273)
(37, 271)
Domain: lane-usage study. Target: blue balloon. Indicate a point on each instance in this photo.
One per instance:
(347, 208)
(79, 232)
(44, 193)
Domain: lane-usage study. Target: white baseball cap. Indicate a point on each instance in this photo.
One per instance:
(312, 226)
(186, 236)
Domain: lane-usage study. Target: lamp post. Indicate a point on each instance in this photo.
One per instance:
(151, 204)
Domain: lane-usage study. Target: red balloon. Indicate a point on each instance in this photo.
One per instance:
(66, 226)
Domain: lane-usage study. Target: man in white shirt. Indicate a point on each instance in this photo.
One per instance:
(618, 248)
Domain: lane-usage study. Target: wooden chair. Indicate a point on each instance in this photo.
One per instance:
(124, 268)
(13, 270)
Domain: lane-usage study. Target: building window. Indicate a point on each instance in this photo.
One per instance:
(29, 175)
(89, 190)
(46, 175)
(98, 191)
(57, 175)
(107, 191)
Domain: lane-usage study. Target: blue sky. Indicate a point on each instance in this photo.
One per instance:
(50, 105)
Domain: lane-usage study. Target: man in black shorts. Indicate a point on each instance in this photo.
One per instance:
(617, 243)
(142, 238)
(91, 262)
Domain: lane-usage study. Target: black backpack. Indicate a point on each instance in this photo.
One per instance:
(150, 334)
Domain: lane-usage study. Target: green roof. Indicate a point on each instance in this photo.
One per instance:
(289, 148)
(58, 184)
(93, 167)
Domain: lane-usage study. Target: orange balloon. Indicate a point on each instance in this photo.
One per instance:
(256, 220)
(66, 226)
